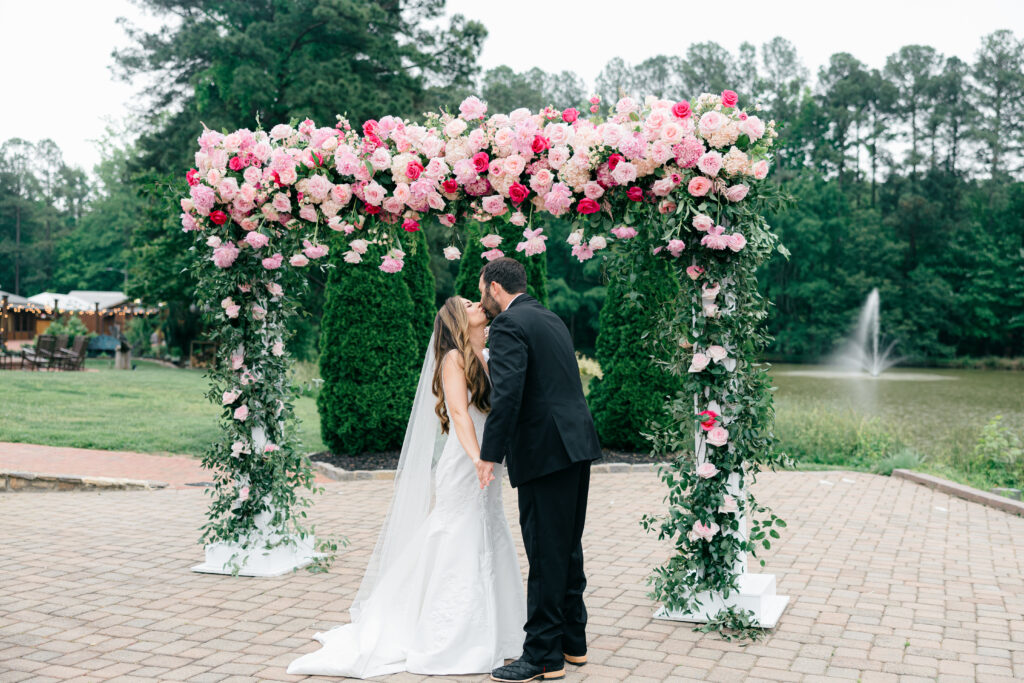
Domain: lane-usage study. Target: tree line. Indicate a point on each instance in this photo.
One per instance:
(906, 177)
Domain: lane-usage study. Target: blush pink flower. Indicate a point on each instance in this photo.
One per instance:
(491, 241)
(694, 272)
(242, 413)
(314, 251)
(706, 470)
(390, 264)
(273, 262)
(698, 362)
(718, 436)
(257, 240)
(518, 219)
(736, 193)
(702, 222)
(225, 255)
(472, 108)
(230, 397)
(701, 531)
(494, 205)
(760, 169)
(624, 232)
(278, 348)
(298, 261)
(583, 252)
(492, 254)
(452, 253)
(710, 163)
(675, 247)
(717, 353)
(534, 242)
(737, 241)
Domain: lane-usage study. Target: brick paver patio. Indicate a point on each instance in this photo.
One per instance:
(890, 581)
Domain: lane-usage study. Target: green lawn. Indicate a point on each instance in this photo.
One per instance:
(152, 409)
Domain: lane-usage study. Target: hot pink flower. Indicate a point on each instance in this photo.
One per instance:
(570, 115)
(729, 98)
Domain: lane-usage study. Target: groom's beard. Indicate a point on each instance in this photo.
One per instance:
(491, 307)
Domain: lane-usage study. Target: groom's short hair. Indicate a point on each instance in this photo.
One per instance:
(507, 272)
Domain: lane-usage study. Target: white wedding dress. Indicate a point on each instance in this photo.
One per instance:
(452, 600)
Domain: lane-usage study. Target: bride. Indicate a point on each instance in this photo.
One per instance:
(442, 593)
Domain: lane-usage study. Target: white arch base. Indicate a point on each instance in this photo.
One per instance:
(757, 594)
(222, 558)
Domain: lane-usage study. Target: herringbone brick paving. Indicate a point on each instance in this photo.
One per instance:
(890, 581)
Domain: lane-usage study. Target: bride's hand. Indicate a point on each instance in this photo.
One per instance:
(484, 472)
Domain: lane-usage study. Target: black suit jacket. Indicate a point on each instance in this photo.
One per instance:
(539, 419)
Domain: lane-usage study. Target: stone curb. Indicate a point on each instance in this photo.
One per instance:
(991, 500)
(338, 474)
(13, 481)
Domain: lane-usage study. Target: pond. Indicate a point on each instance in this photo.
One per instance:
(937, 412)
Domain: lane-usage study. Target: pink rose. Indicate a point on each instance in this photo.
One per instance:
(230, 397)
(710, 122)
(275, 289)
(278, 348)
(710, 163)
(593, 190)
(698, 362)
(492, 254)
(570, 115)
(282, 202)
(237, 361)
(452, 253)
(242, 413)
(703, 531)
(491, 241)
(702, 222)
(298, 261)
(624, 232)
(359, 246)
(597, 243)
(232, 311)
(718, 436)
(681, 109)
(706, 470)
(258, 312)
(736, 193)
(729, 505)
(761, 169)
(729, 98)
(675, 247)
(583, 252)
(737, 241)
(752, 127)
(518, 218)
(390, 264)
(694, 272)
(699, 186)
(717, 353)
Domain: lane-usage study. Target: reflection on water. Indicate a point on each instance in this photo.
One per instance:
(935, 411)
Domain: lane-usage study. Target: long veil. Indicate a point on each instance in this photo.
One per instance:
(414, 487)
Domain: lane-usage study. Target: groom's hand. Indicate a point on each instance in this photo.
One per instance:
(484, 472)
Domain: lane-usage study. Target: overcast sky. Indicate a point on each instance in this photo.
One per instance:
(56, 53)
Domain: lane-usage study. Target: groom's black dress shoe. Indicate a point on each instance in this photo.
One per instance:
(576, 660)
(520, 671)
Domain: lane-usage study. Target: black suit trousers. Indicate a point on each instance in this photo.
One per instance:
(552, 511)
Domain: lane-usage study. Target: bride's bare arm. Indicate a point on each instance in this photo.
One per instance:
(456, 398)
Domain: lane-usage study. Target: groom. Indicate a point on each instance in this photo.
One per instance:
(540, 423)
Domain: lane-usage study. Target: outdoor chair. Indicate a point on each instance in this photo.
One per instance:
(62, 344)
(42, 356)
(74, 359)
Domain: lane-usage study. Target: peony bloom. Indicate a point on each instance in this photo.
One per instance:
(452, 253)
(391, 264)
(575, 237)
(760, 169)
(299, 261)
(699, 186)
(242, 413)
(752, 127)
(230, 397)
(597, 243)
(494, 205)
(694, 272)
(472, 108)
(698, 362)
(225, 255)
(706, 470)
(717, 353)
(492, 254)
(534, 242)
(351, 257)
(491, 241)
(675, 247)
(583, 252)
(273, 262)
(710, 163)
(518, 219)
(257, 240)
(737, 241)
(736, 193)
(258, 312)
(275, 289)
(624, 232)
(359, 246)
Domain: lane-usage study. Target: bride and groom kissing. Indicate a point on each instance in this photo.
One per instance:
(442, 593)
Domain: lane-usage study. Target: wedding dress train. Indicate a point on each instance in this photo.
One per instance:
(452, 602)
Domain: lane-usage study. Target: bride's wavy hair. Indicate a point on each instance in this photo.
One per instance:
(451, 331)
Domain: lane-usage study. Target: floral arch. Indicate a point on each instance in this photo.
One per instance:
(680, 181)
